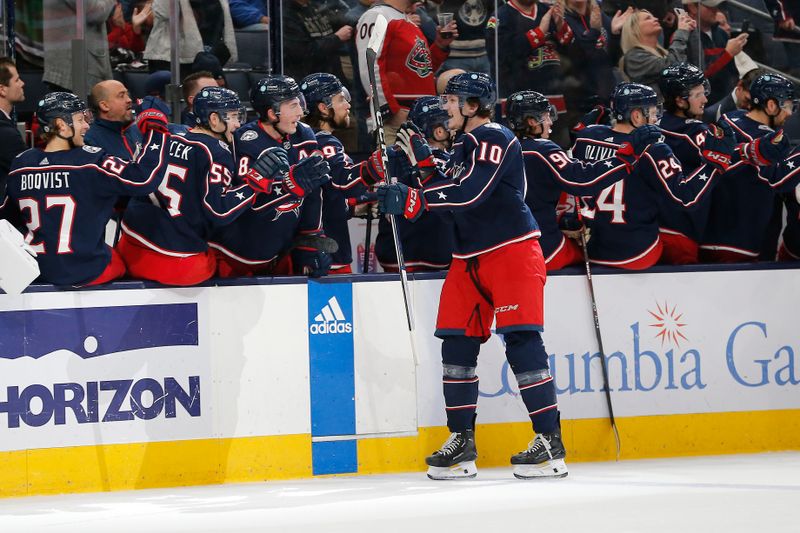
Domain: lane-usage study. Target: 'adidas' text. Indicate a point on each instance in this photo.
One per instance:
(331, 319)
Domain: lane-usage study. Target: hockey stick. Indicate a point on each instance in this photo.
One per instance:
(597, 333)
(375, 42)
(367, 240)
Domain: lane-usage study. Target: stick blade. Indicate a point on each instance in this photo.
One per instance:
(378, 34)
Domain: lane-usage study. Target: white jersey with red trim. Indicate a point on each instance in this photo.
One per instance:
(406, 64)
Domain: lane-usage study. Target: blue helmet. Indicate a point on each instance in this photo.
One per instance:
(771, 87)
(528, 104)
(215, 100)
(322, 87)
(427, 114)
(677, 80)
(269, 92)
(630, 96)
(473, 85)
(58, 105)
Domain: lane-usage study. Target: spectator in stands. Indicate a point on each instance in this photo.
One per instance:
(205, 25)
(130, 35)
(250, 15)
(718, 50)
(12, 91)
(419, 16)
(113, 129)
(360, 104)
(60, 30)
(355, 12)
(590, 49)
(208, 62)
(190, 87)
(335, 10)
(661, 9)
(156, 84)
(309, 42)
(786, 14)
(407, 64)
(739, 98)
(527, 35)
(468, 50)
(644, 58)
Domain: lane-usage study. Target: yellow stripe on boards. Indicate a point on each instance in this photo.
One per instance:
(255, 459)
(592, 439)
(152, 465)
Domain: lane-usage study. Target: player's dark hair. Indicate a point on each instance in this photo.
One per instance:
(750, 76)
(480, 113)
(314, 117)
(190, 84)
(5, 72)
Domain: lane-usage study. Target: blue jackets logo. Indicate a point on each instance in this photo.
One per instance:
(330, 320)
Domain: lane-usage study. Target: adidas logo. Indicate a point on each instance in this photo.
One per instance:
(609, 139)
(330, 319)
(44, 161)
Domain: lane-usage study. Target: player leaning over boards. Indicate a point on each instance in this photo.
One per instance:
(497, 270)
(165, 236)
(65, 193)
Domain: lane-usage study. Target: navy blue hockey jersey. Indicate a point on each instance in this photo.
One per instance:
(428, 241)
(742, 206)
(549, 170)
(271, 224)
(791, 232)
(625, 215)
(486, 192)
(196, 194)
(345, 183)
(66, 199)
(686, 137)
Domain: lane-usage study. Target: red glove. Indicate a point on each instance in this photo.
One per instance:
(767, 150)
(152, 120)
(372, 170)
(257, 182)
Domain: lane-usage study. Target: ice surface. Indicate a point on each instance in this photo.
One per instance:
(737, 493)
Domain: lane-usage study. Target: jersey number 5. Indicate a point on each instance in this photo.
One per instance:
(173, 196)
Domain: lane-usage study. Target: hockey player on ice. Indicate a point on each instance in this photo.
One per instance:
(497, 271)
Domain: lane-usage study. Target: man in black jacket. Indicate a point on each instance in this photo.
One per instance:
(309, 42)
(11, 143)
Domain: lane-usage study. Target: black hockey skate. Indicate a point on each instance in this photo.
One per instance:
(455, 459)
(544, 458)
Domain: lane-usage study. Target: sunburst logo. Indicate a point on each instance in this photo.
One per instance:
(669, 324)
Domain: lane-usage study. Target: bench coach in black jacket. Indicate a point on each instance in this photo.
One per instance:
(11, 143)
